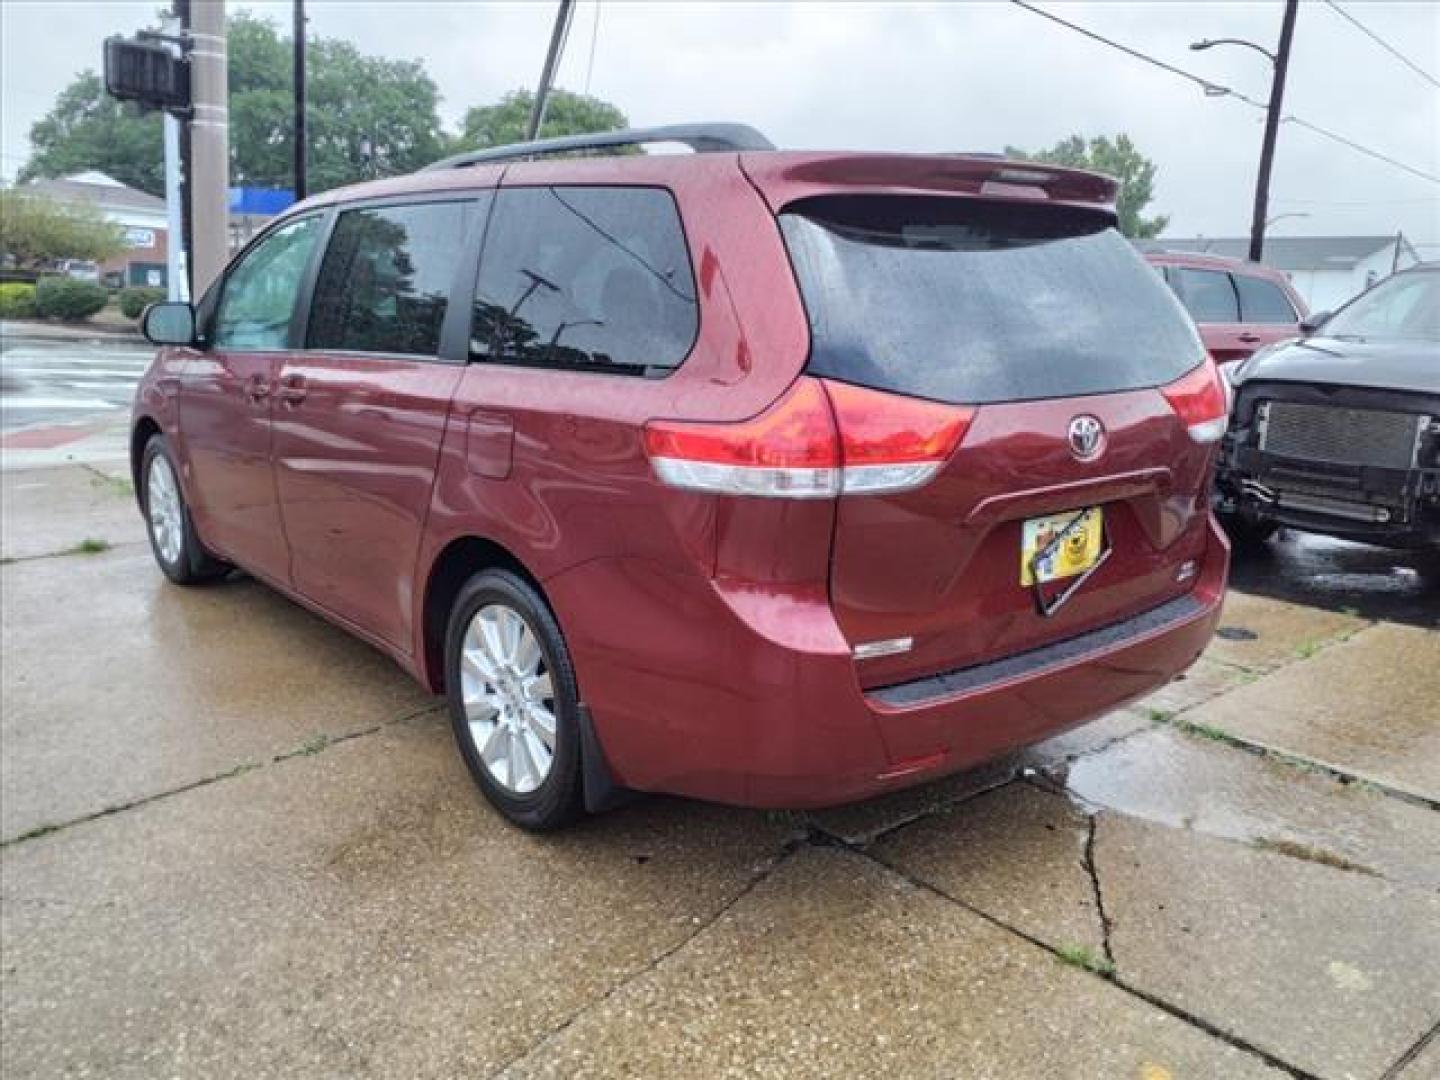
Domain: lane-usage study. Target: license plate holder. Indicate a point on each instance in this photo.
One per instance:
(1067, 547)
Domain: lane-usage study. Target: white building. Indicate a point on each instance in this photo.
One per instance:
(1325, 270)
(141, 215)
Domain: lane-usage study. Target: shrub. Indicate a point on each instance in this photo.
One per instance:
(135, 300)
(68, 300)
(17, 300)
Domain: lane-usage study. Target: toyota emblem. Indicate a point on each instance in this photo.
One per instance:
(1087, 437)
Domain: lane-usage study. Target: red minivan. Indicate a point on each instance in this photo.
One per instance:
(773, 478)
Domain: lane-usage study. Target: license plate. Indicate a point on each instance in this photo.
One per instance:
(1078, 552)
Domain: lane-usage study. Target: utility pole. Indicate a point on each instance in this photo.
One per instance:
(209, 144)
(1272, 126)
(301, 181)
(552, 61)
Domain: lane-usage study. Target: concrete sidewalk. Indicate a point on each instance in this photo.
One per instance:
(237, 842)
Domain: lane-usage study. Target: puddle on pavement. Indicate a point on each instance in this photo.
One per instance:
(1373, 582)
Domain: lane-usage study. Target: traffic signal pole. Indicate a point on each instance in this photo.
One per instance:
(209, 144)
(301, 179)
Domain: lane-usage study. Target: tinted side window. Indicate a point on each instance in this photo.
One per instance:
(1206, 294)
(386, 278)
(1263, 301)
(258, 297)
(595, 278)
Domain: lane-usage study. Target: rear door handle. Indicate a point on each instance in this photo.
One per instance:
(292, 389)
(257, 389)
(1249, 339)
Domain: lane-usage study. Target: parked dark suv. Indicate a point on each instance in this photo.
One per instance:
(779, 479)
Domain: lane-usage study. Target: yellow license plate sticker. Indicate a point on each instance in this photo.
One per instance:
(1078, 552)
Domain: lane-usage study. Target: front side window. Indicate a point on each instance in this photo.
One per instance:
(1208, 295)
(386, 278)
(1405, 307)
(258, 299)
(1263, 301)
(592, 278)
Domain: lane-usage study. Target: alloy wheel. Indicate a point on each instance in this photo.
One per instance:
(509, 699)
(162, 496)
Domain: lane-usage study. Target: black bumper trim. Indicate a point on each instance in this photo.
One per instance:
(964, 680)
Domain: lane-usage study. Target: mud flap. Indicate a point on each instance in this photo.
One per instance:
(599, 787)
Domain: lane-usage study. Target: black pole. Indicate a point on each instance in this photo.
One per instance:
(1272, 126)
(547, 74)
(301, 180)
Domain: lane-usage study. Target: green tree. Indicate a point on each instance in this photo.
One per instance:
(1119, 159)
(566, 113)
(36, 230)
(367, 117)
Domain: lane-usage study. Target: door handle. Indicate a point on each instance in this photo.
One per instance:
(1249, 339)
(257, 389)
(292, 390)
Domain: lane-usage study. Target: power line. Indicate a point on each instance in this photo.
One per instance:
(1214, 89)
(1362, 149)
(1384, 44)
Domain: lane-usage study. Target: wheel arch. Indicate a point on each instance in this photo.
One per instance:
(457, 562)
(144, 429)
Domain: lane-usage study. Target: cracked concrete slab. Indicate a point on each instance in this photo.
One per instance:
(1426, 1064)
(835, 966)
(1260, 633)
(44, 511)
(1186, 782)
(1370, 709)
(1205, 680)
(119, 685)
(860, 823)
(1330, 970)
(359, 911)
(1017, 854)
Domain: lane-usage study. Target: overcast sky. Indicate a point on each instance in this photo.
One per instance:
(923, 77)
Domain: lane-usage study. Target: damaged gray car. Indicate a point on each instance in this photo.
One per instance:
(1338, 432)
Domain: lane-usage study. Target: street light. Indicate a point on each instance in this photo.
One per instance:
(1279, 62)
(1282, 217)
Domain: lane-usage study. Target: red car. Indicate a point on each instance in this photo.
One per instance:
(778, 479)
(1238, 306)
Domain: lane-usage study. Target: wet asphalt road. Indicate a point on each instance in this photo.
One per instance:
(1358, 579)
(56, 381)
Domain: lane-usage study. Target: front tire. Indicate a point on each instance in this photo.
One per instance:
(514, 702)
(1247, 533)
(177, 548)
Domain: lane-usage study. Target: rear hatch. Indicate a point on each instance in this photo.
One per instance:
(1079, 385)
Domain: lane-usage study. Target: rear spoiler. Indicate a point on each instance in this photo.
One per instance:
(784, 177)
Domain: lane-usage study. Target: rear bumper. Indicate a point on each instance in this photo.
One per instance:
(773, 715)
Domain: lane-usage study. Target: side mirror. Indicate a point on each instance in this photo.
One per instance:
(170, 322)
(1313, 322)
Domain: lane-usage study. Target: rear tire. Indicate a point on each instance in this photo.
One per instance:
(514, 702)
(173, 540)
(1247, 533)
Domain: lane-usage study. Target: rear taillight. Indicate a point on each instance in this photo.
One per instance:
(817, 441)
(1198, 399)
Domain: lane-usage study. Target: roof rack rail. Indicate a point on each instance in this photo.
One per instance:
(702, 138)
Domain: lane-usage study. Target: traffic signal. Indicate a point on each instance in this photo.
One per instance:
(147, 72)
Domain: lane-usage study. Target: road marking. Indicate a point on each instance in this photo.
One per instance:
(93, 404)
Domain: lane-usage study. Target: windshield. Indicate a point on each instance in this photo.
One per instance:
(971, 302)
(1405, 307)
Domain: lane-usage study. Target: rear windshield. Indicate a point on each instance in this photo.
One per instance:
(967, 301)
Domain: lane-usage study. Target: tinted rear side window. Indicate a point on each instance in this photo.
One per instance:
(596, 278)
(1263, 301)
(966, 301)
(1208, 295)
(386, 278)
